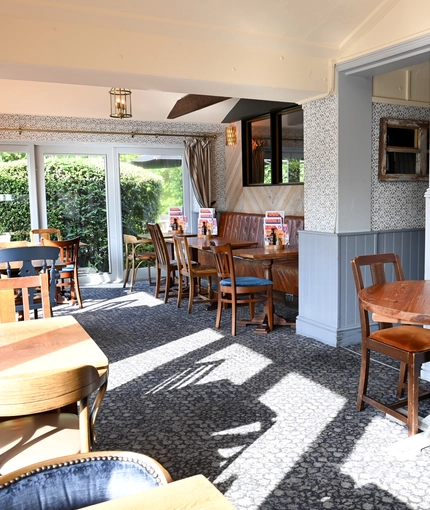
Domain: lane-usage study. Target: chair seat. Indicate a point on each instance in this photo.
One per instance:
(143, 256)
(246, 281)
(405, 338)
(30, 439)
(79, 481)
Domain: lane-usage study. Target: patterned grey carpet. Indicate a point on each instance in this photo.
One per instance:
(269, 419)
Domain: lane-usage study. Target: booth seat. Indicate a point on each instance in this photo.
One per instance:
(250, 227)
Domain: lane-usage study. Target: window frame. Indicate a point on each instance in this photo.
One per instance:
(421, 149)
(275, 137)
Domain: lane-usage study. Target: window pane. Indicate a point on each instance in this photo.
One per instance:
(401, 163)
(261, 163)
(401, 137)
(14, 196)
(75, 189)
(292, 147)
(149, 186)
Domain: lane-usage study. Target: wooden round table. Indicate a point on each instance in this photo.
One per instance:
(405, 301)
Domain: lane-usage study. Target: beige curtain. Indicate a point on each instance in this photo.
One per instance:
(257, 161)
(197, 155)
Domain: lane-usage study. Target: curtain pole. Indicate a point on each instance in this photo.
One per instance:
(130, 133)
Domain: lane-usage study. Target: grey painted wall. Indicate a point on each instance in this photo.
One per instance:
(328, 308)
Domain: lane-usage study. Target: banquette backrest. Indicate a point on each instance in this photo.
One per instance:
(250, 227)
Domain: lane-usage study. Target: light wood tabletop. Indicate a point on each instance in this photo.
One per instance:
(195, 492)
(47, 344)
(404, 301)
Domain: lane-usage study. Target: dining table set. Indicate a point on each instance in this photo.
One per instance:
(265, 255)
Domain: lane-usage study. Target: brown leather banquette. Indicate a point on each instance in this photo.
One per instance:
(249, 227)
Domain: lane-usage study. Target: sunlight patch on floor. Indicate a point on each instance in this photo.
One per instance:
(238, 365)
(371, 464)
(303, 409)
(127, 369)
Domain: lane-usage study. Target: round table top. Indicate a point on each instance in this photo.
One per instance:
(406, 301)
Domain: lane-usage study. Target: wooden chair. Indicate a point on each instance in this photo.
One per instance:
(163, 262)
(410, 345)
(45, 233)
(241, 289)
(30, 261)
(67, 283)
(31, 433)
(193, 273)
(134, 258)
(81, 480)
(26, 286)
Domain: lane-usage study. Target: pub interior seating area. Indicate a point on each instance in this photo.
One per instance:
(214, 255)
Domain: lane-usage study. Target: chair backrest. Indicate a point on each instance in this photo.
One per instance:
(32, 260)
(45, 233)
(129, 242)
(80, 480)
(27, 286)
(183, 255)
(69, 249)
(43, 391)
(379, 266)
(224, 261)
(160, 246)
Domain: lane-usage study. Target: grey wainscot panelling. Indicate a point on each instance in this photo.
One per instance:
(328, 309)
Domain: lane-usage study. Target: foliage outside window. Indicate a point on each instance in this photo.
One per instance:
(76, 201)
(272, 148)
(403, 150)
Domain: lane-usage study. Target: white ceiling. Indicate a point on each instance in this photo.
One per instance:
(320, 28)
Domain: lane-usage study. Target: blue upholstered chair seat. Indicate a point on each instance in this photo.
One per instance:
(246, 281)
(79, 483)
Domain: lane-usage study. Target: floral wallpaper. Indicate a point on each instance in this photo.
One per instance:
(109, 131)
(320, 149)
(396, 205)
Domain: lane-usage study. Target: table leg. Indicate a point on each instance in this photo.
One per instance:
(262, 319)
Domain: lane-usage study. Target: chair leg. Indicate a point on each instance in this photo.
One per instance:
(133, 275)
(167, 287)
(191, 288)
(157, 281)
(364, 377)
(233, 316)
(149, 272)
(219, 311)
(270, 309)
(403, 376)
(78, 292)
(127, 272)
(180, 290)
(413, 391)
(251, 307)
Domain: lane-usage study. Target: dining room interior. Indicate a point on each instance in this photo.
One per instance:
(284, 402)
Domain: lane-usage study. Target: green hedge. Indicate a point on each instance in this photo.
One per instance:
(76, 202)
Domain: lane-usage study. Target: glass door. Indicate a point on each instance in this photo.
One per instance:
(151, 181)
(73, 198)
(150, 184)
(17, 206)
